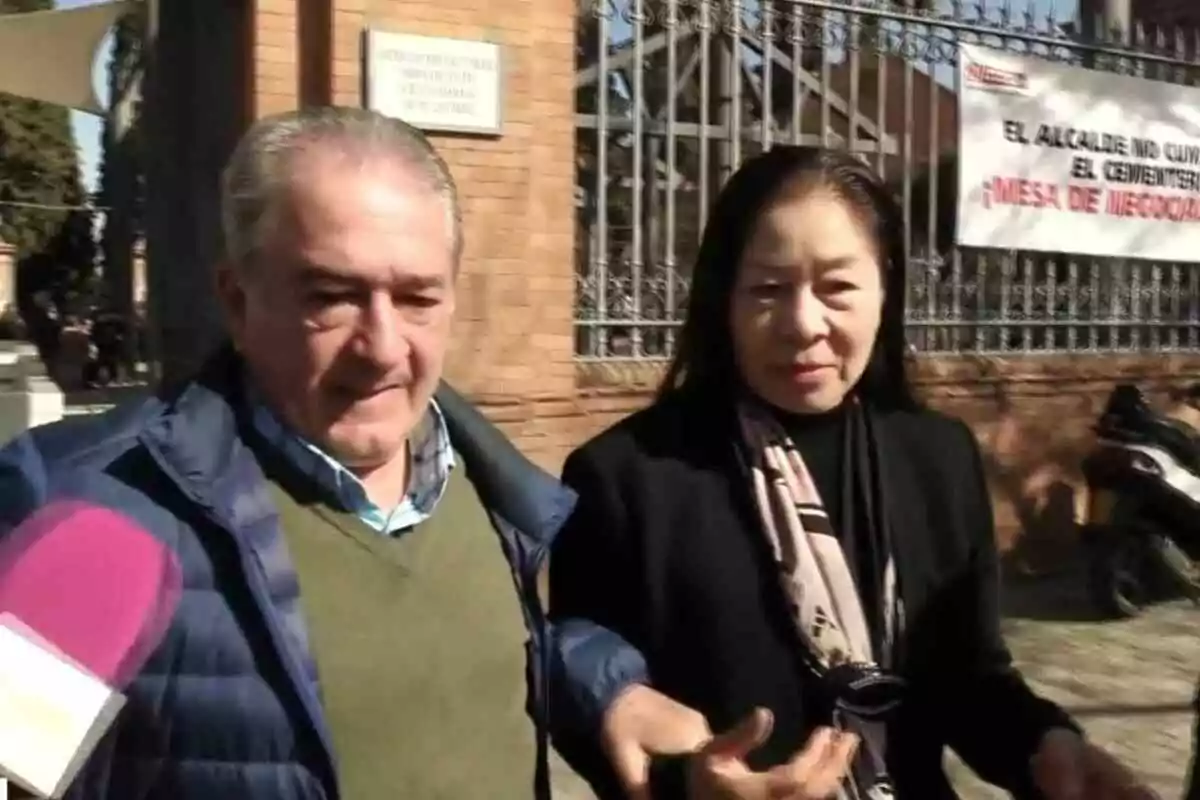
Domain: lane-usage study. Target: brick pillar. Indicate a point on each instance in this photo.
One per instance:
(8, 276)
(515, 336)
(275, 40)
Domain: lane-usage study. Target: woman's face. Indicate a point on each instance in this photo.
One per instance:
(807, 302)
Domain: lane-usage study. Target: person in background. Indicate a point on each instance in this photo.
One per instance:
(361, 549)
(787, 548)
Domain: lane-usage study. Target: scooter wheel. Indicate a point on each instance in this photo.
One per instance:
(1181, 572)
(1119, 577)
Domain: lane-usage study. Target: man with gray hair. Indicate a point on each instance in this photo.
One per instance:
(361, 549)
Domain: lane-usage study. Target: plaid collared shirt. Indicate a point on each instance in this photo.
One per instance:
(431, 458)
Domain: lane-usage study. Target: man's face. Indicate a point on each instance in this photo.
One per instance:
(344, 318)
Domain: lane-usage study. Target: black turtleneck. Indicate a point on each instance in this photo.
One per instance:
(824, 442)
(821, 439)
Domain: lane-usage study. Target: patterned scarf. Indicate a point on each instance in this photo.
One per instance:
(824, 601)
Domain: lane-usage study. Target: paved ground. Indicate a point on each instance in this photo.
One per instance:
(1129, 683)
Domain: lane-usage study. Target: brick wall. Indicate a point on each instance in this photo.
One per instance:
(514, 337)
(514, 334)
(273, 37)
(1032, 417)
(516, 292)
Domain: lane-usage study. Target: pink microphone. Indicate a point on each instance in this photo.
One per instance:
(86, 596)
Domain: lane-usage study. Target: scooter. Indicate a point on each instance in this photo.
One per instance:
(1143, 522)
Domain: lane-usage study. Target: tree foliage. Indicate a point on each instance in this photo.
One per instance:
(122, 184)
(39, 184)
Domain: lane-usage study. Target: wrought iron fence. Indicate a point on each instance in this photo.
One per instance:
(671, 95)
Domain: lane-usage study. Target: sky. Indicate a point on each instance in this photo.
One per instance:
(87, 127)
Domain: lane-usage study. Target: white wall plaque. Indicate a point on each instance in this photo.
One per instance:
(435, 84)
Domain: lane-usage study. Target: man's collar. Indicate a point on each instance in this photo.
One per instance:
(197, 437)
(430, 460)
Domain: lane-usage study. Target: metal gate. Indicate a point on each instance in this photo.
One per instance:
(671, 95)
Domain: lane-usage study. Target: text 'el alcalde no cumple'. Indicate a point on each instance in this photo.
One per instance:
(1111, 174)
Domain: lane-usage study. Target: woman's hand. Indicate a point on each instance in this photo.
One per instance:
(642, 723)
(719, 771)
(1066, 767)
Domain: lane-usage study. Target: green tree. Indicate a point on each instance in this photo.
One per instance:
(39, 186)
(121, 179)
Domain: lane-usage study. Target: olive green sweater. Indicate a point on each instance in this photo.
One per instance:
(420, 647)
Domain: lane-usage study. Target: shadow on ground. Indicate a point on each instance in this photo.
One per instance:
(1059, 596)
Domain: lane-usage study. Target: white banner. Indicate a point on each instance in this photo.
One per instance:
(1063, 159)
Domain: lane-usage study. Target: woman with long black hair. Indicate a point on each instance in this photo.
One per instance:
(794, 547)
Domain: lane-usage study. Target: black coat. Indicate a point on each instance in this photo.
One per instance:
(664, 548)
